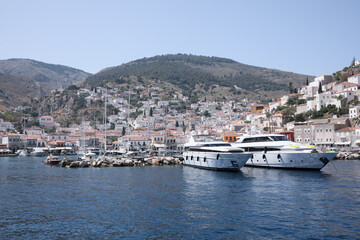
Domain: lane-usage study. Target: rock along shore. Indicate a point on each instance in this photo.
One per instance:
(123, 162)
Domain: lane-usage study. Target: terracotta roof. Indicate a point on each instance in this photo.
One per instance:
(347, 129)
(229, 133)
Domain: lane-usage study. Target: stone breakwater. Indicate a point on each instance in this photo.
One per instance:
(123, 162)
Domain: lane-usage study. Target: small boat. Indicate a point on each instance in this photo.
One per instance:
(21, 153)
(52, 160)
(38, 152)
(7, 153)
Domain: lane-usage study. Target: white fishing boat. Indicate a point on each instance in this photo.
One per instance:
(276, 151)
(204, 152)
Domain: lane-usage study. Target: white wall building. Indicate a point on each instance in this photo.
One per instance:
(46, 121)
(4, 126)
(354, 79)
(324, 99)
(354, 112)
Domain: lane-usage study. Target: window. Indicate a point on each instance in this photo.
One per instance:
(279, 138)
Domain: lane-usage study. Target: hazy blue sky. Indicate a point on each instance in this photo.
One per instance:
(312, 37)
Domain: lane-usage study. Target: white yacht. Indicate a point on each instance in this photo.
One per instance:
(204, 152)
(276, 151)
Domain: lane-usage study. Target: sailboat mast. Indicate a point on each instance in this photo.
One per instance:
(105, 118)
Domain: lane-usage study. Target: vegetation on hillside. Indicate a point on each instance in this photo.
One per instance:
(187, 71)
(349, 71)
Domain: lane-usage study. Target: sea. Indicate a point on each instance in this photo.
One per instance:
(177, 202)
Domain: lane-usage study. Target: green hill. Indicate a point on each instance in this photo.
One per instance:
(188, 71)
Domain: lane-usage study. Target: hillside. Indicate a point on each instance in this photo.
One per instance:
(42, 72)
(23, 79)
(346, 72)
(199, 73)
(15, 90)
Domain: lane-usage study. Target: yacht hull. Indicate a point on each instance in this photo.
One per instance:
(220, 161)
(308, 161)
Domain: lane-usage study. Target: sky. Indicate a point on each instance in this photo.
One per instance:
(311, 37)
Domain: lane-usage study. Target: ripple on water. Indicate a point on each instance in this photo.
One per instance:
(45, 202)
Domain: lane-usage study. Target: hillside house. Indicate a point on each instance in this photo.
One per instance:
(354, 112)
(46, 121)
(354, 79)
(5, 126)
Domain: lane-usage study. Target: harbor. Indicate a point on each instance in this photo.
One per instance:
(176, 201)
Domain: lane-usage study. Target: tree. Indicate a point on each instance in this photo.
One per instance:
(356, 121)
(291, 88)
(292, 100)
(352, 62)
(207, 114)
(299, 117)
(151, 112)
(307, 81)
(288, 114)
(176, 124)
(184, 128)
(320, 88)
(123, 131)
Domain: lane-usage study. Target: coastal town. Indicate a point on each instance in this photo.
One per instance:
(325, 114)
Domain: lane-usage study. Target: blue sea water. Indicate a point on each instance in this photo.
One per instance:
(177, 202)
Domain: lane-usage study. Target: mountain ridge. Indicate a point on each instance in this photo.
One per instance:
(186, 71)
(25, 79)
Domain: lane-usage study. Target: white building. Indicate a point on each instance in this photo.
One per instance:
(312, 91)
(273, 106)
(354, 112)
(324, 99)
(354, 79)
(4, 126)
(323, 79)
(301, 108)
(46, 121)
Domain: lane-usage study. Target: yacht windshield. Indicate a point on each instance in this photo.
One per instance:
(217, 145)
(279, 138)
(257, 139)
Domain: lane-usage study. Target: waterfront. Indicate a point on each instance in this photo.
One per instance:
(46, 202)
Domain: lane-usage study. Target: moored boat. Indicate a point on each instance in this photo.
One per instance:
(7, 153)
(276, 151)
(203, 152)
(52, 160)
(38, 152)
